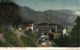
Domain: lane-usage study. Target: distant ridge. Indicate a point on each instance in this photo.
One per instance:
(63, 17)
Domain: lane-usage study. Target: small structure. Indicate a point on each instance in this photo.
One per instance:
(56, 30)
(42, 27)
(26, 24)
(65, 32)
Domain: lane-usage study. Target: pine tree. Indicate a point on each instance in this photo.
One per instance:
(75, 34)
(9, 12)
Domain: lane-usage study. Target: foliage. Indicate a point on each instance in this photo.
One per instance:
(73, 39)
(54, 44)
(29, 40)
(75, 34)
(9, 13)
(10, 39)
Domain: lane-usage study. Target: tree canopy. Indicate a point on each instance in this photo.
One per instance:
(9, 12)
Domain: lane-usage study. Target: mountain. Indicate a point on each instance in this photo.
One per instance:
(65, 15)
(62, 17)
(28, 13)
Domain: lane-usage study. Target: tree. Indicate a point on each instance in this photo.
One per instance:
(9, 12)
(9, 15)
(73, 40)
(75, 34)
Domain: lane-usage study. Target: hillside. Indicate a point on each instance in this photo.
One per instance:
(63, 17)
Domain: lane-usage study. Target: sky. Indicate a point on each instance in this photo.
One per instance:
(42, 5)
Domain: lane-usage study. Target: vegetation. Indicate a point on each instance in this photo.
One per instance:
(75, 42)
(10, 15)
(73, 39)
(10, 39)
(29, 40)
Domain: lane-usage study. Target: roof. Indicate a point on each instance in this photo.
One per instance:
(51, 24)
(42, 24)
(28, 20)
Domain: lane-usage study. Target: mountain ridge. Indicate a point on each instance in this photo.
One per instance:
(62, 17)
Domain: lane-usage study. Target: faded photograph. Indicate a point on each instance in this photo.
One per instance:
(39, 23)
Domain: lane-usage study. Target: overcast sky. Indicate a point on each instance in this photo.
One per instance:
(41, 5)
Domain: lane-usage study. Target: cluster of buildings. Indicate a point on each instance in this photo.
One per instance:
(48, 32)
(44, 32)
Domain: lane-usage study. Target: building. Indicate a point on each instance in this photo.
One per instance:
(26, 25)
(55, 30)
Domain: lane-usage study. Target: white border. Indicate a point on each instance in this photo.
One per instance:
(39, 48)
